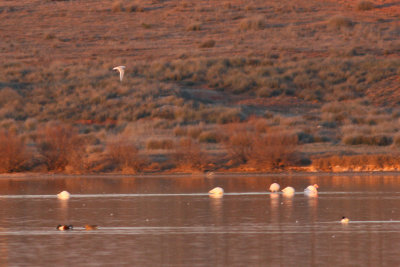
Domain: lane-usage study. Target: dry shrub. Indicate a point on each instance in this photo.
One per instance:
(194, 27)
(159, 144)
(396, 140)
(257, 23)
(207, 44)
(365, 5)
(338, 22)
(272, 150)
(239, 146)
(194, 131)
(117, 7)
(374, 140)
(357, 163)
(61, 146)
(180, 131)
(188, 155)
(124, 155)
(13, 152)
(209, 137)
(135, 8)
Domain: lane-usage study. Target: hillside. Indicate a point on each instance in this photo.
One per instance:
(198, 73)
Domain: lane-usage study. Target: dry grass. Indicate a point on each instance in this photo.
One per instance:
(159, 144)
(365, 5)
(323, 79)
(380, 162)
(208, 43)
(117, 6)
(257, 23)
(194, 27)
(340, 22)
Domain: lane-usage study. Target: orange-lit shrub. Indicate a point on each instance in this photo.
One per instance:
(270, 150)
(13, 152)
(188, 155)
(274, 150)
(357, 163)
(239, 146)
(60, 146)
(124, 155)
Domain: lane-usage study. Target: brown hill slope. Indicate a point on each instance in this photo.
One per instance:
(327, 71)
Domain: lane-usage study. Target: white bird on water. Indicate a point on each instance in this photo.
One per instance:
(311, 190)
(121, 70)
(63, 195)
(274, 187)
(288, 191)
(216, 192)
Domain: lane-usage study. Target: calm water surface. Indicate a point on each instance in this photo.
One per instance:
(171, 221)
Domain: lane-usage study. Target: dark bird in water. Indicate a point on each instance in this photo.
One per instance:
(64, 227)
(90, 227)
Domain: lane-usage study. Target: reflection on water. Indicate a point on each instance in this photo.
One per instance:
(150, 221)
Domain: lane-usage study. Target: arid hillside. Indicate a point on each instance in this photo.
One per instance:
(209, 85)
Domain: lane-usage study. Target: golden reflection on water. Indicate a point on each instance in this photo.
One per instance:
(217, 209)
(63, 210)
(189, 184)
(185, 229)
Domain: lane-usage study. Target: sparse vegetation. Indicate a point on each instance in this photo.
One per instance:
(265, 151)
(339, 22)
(14, 155)
(250, 85)
(194, 27)
(207, 44)
(160, 144)
(189, 155)
(257, 23)
(117, 6)
(365, 5)
(60, 146)
(124, 155)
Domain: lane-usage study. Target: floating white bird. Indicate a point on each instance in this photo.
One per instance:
(63, 195)
(216, 192)
(311, 190)
(344, 220)
(288, 191)
(274, 187)
(121, 70)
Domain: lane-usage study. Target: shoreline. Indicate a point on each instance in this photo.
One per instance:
(188, 174)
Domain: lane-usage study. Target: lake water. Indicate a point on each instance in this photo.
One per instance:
(171, 221)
